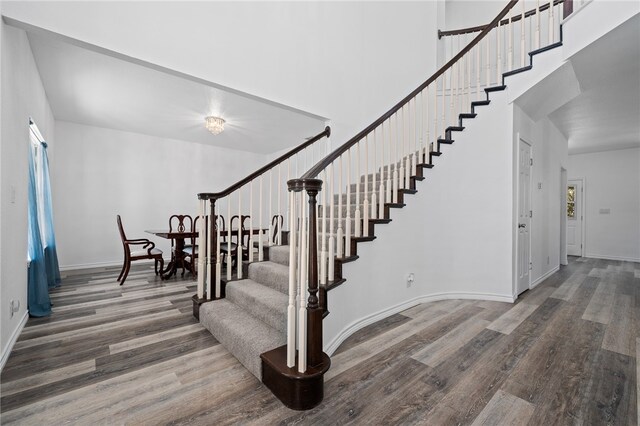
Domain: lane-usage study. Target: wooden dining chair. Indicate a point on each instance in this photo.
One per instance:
(180, 223)
(228, 248)
(276, 223)
(190, 251)
(148, 251)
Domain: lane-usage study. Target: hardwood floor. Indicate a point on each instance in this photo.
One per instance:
(565, 353)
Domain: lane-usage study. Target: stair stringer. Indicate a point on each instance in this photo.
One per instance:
(455, 234)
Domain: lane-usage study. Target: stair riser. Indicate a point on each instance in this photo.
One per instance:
(275, 278)
(276, 318)
(279, 254)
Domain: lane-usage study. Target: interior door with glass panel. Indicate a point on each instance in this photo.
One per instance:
(574, 217)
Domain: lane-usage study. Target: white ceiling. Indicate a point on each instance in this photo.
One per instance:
(87, 87)
(596, 95)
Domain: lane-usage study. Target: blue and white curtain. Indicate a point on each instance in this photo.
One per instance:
(44, 271)
(46, 222)
(37, 288)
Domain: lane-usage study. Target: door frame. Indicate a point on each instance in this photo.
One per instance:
(519, 139)
(582, 203)
(563, 217)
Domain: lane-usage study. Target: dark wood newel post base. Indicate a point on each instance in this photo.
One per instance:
(196, 305)
(298, 391)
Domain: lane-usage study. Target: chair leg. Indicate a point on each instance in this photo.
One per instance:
(126, 271)
(161, 262)
(124, 264)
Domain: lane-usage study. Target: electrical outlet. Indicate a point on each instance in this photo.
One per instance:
(14, 306)
(410, 279)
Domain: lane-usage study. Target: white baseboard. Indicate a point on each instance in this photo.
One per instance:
(100, 265)
(12, 341)
(332, 346)
(605, 257)
(544, 277)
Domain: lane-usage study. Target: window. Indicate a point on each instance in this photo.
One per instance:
(571, 202)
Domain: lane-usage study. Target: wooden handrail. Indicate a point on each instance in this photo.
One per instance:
(503, 22)
(217, 195)
(325, 162)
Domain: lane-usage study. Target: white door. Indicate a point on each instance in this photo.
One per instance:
(575, 217)
(524, 216)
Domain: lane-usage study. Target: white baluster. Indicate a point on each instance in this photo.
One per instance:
(499, 61)
(278, 238)
(510, 57)
(478, 56)
(424, 130)
(522, 41)
(270, 217)
(240, 237)
(347, 232)
(488, 56)
(435, 123)
(382, 191)
(393, 158)
(332, 238)
(203, 253)
(452, 96)
(418, 120)
(443, 124)
(551, 22)
(251, 221)
(323, 239)
(408, 155)
(302, 311)
(261, 236)
(291, 308)
(537, 24)
(229, 262)
(374, 197)
(365, 206)
(218, 283)
(423, 151)
(457, 105)
(468, 58)
(358, 224)
(340, 231)
(400, 155)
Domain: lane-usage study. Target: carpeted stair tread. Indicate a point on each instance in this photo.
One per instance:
(279, 254)
(264, 303)
(245, 336)
(271, 274)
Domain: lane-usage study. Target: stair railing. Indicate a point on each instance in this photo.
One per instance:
(527, 31)
(357, 184)
(261, 196)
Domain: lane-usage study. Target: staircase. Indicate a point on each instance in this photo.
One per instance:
(259, 305)
(268, 312)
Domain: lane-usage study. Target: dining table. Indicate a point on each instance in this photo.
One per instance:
(177, 256)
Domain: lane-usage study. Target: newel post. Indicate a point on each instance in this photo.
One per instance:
(314, 310)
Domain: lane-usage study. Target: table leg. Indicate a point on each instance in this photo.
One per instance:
(176, 257)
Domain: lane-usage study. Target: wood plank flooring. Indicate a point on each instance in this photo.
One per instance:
(565, 353)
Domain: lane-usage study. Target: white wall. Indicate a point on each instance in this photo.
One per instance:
(549, 151)
(349, 61)
(98, 173)
(455, 234)
(612, 181)
(22, 97)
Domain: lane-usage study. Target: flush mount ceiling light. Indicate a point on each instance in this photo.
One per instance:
(214, 124)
